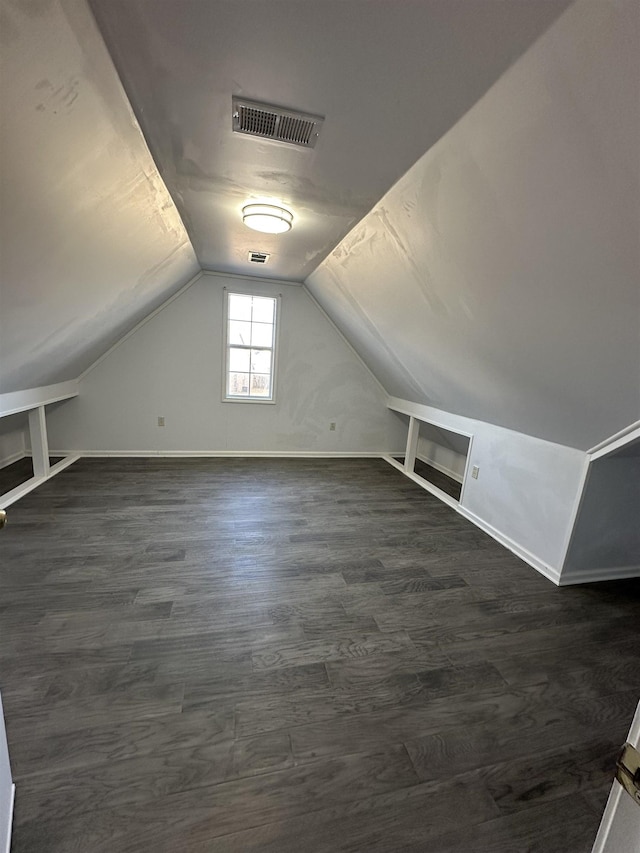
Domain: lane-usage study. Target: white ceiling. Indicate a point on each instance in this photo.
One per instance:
(390, 77)
(91, 241)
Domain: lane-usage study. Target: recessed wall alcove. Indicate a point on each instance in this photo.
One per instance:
(436, 457)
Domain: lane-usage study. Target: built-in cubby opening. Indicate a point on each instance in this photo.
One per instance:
(436, 457)
(25, 461)
(441, 458)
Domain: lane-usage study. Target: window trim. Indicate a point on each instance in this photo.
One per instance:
(263, 401)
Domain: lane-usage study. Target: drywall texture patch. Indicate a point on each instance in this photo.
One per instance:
(500, 277)
(91, 240)
(172, 367)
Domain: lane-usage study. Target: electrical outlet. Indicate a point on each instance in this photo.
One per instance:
(332, 426)
(160, 421)
(475, 471)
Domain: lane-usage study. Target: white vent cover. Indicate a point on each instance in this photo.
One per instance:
(269, 122)
(258, 257)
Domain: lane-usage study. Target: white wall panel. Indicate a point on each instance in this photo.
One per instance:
(526, 488)
(172, 367)
(91, 239)
(499, 278)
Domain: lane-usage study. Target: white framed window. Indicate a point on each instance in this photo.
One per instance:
(250, 347)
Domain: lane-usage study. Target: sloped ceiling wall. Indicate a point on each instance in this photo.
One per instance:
(91, 240)
(500, 277)
(391, 76)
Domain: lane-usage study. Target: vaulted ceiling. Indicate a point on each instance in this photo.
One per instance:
(497, 279)
(390, 78)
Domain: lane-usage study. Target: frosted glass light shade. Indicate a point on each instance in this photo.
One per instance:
(268, 218)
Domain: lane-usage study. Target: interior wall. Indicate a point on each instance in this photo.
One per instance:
(13, 433)
(444, 450)
(526, 489)
(91, 240)
(171, 366)
(607, 531)
(499, 277)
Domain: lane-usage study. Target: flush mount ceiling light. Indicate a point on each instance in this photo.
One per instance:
(268, 218)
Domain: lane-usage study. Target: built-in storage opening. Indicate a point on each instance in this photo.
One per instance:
(14, 467)
(25, 461)
(435, 457)
(15, 474)
(441, 458)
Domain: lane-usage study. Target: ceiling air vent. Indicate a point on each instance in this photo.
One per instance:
(269, 122)
(258, 257)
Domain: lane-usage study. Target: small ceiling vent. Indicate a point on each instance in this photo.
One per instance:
(258, 257)
(269, 122)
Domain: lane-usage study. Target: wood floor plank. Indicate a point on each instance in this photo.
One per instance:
(312, 654)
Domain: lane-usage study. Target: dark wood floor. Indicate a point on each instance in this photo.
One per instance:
(437, 478)
(18, 472)
(296, 655)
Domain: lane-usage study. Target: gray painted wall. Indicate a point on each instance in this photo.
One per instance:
(500, 277)
(607, 531)
(90, 238)
(172, 366)
(13, 433)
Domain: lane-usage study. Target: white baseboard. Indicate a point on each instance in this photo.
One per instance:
(536, 563)
(253, 454)
(615, 573)
(442, 468)
(12, 800)
(29, 485)
(519, 550)
(424, 484)
(14, 457)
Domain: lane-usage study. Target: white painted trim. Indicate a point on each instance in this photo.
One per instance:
(38, 441)
(253, 278)
(412, 446)
(277, 311)
(63, 463)
(631, 434)
(425, 413)
(534, 561)
(22, 401)
(346, 341)
(608, 816)
(467, 464)
(615, 438)
(453, 475)
(424, 484)
(615, 794)
(139, 325)
(249, 454)
(509, 543)
(15, 457)
(599, 574)
(29, 485)
(12, 800)
(20, 491)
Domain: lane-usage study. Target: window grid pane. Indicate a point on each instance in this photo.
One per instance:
(250, 340)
